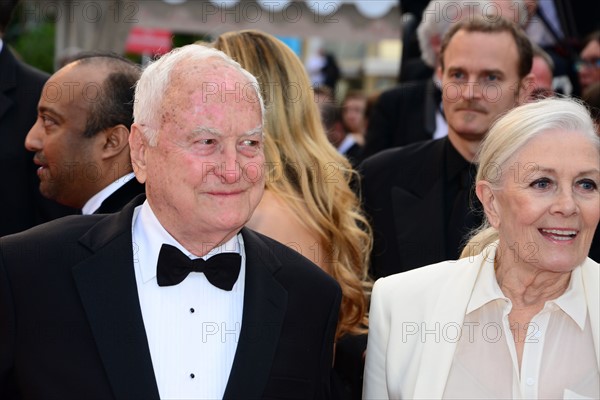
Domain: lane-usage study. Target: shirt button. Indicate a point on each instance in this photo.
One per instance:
(192, 376)
(192, 310)
(530, 381)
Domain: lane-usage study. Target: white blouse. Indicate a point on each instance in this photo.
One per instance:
(558, 359)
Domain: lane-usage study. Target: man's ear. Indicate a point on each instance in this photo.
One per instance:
(116, 141)
(488, 200)
(138, 146)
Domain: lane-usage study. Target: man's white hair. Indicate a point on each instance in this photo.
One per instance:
(154, 82)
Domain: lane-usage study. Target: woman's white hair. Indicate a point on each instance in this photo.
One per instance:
(513, 131)
(156, 78)
(509, 134)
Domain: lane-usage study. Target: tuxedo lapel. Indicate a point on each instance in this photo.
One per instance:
(418, 200)
(107, 287)
(448, 313)
(419, 243)
(116, 201)
(265, 303)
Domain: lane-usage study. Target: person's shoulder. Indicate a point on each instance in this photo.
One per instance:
(292, 269)
(403, 89)
(427, 280)
(411, 155)
(25, 73)
(32, 73)
(591, 269)
(58, 230)
(55, 243)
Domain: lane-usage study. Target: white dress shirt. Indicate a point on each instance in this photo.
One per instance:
(348, 142)
(193, 328)
(557, 361)
(96, 200)
(441, 126)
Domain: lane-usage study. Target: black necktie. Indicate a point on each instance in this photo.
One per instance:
(173, 267)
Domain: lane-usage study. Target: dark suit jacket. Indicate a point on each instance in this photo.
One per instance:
(21, 204)
(72, 326)
(402, 115)
(403, 195)
(116, 201)
(354, 155)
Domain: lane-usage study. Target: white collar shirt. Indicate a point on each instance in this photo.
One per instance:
(441, 126)
(558, 359)
(96, 200)
(346, 144)
(193, 328)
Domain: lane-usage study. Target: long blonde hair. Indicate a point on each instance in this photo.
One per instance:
(305, 169)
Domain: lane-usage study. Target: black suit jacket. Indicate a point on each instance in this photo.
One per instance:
(116, 201)
(354, 155)
(402, 115)
(72, 326)
(403, 195)
(21, 204)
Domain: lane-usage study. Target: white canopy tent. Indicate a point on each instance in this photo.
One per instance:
(349, 20)
(105, 24)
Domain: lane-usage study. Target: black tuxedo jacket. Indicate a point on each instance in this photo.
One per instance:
(403, 195)
(116, 201)
(72, 326)
(354, 155)
(21, 204)
(402, 115)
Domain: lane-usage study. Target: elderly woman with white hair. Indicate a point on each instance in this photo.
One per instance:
(519, 315)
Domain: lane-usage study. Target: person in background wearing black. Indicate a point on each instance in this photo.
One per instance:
(21, 204)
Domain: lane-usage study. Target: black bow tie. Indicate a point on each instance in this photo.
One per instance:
(173, 267)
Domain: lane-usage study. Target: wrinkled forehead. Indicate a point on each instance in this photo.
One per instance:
(208, 90)
(208, 81)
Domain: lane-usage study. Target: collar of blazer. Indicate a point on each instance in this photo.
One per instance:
(107, 287)
(416, 193)
(451, 306)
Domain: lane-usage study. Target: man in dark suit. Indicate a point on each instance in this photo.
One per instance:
(344, 142)
(21, 204)
(412, 111)
(115, 306)
(418, 196)
(81, 136)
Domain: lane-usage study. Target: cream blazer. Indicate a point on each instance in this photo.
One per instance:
(413, 315)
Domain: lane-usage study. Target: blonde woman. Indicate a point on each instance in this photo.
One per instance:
(308, 203)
